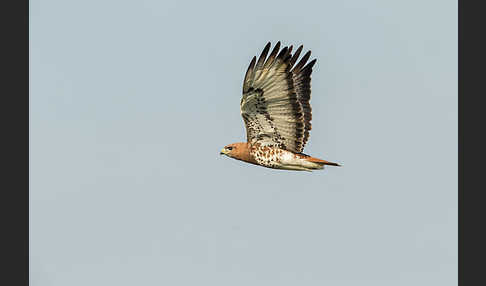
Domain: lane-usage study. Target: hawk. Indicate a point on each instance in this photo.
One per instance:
(276, 111)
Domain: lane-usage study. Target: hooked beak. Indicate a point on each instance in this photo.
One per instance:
(223, 152)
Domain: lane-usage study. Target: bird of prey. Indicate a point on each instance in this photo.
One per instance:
(276, 112)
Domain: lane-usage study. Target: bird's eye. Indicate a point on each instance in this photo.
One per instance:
(229, 148)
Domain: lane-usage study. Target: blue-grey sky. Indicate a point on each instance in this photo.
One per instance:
(131, 102)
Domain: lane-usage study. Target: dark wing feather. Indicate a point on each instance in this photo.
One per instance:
(275, 103)
(302, 78)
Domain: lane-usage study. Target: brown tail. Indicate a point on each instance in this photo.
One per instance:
(319, 161)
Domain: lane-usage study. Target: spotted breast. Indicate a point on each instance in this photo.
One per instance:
(268, 156)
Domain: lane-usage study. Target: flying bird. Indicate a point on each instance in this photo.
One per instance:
(276, 111)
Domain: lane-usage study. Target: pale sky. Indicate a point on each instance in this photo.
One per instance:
(131, 102)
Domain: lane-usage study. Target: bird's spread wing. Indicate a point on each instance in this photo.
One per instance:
(275, 104)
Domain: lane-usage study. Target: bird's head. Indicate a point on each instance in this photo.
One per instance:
(238, 151)
(230, 150)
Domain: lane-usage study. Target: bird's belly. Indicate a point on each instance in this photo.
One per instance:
(289, 161)
(277, 158)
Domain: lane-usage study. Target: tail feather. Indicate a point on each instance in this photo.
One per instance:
(323, 162)
(318, 161)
